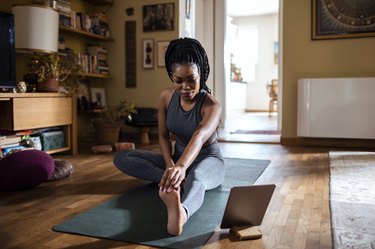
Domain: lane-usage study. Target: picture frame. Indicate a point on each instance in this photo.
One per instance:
(98, 98)
(148, 53)
(335, 19)
(158, 17)
(161, 49)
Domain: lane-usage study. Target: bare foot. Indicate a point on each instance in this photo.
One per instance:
(176, 213)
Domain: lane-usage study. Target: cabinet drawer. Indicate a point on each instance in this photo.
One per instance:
(46, 112)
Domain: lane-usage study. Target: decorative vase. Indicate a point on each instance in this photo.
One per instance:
(48, 85)
(107, 133)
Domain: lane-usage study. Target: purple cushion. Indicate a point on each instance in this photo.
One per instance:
(25, 169)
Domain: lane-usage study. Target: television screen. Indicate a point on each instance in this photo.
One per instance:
(7, 52)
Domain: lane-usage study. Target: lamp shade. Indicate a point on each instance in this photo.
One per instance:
(36, 28)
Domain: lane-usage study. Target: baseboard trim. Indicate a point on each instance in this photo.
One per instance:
(330, 142)
(252, 110)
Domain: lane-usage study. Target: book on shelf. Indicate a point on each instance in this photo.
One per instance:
(12, 139)
(4, 146)
(7, 150)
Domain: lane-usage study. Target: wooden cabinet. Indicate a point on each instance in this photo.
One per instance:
(24, 111)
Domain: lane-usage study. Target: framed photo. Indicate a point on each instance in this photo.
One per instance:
(161, 48)
(158, 17)
(148, 53)
(98, 100)
(333, 19)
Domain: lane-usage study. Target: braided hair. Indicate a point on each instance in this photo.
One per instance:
(186, 51)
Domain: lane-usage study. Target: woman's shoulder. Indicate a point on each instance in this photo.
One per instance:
(166, 95)
(210, 100)
(167, 92)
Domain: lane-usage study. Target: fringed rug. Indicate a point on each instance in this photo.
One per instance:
(352, 199)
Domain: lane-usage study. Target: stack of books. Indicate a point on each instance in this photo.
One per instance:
(100, 24)
(9, 143)
(97, 60)
(65, 13)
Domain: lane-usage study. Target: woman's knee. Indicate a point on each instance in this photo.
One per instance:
(209, 178)
(121, 160)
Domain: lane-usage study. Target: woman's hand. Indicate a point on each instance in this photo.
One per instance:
(172, 178)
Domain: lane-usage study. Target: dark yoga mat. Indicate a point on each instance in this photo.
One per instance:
(139, 216)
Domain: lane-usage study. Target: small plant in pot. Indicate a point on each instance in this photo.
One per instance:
(108, 124)
(45, 68)
(48, 70)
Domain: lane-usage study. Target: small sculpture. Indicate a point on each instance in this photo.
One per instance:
(21, 87)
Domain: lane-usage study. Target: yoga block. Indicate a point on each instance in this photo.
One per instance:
(98, 149)
(52, 140)
(124, 146)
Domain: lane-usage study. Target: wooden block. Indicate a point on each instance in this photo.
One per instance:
(124, 146)
(246, 232)
(97, 149)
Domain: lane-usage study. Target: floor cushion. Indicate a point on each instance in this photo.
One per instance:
(62, 169)
(25, 169)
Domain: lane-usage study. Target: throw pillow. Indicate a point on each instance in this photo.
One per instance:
(25, 169)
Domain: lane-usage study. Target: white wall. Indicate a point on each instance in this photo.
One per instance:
(264, 68)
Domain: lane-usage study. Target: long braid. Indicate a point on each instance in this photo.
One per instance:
(188, 50)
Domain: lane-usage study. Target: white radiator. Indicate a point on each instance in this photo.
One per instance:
(336, 108)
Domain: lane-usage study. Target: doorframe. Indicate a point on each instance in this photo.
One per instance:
(211, 14)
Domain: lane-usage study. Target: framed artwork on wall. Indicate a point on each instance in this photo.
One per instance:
(161, 48)
(131, 56)
(98, 99)
(158, 17)
(333, 19)
(148, 53)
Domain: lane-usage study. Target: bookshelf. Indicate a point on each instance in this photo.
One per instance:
(80, 36)
(84, 33)
(82, 27)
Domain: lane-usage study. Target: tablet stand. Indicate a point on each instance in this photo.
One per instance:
(246, 232)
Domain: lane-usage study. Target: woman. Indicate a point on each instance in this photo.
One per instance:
(192, 114)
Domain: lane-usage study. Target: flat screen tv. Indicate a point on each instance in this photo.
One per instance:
(7, 52)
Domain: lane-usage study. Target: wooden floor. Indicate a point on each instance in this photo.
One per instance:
(298, 216)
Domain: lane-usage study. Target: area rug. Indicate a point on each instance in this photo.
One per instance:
(352, 199)
(138, 216)
(264, 132)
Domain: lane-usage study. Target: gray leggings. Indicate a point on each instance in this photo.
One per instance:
(205, 173)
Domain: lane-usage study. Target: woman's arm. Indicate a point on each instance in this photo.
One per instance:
(164, 138)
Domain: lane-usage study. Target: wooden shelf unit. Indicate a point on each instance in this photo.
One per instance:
(85, 34)
(95, 75)
(25, 111)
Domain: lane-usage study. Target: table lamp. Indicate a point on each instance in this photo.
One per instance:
(36, 28)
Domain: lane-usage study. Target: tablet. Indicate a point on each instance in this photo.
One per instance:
(247, 205)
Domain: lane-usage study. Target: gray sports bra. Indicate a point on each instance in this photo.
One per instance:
(183, 123)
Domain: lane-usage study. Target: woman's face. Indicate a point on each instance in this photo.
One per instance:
(186, 80)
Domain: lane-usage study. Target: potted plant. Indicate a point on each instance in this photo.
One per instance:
(108, 124)
(44, 72)
(47, 70)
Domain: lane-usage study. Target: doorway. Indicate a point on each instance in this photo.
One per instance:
(252, 65)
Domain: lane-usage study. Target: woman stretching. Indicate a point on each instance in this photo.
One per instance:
(189, 112)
